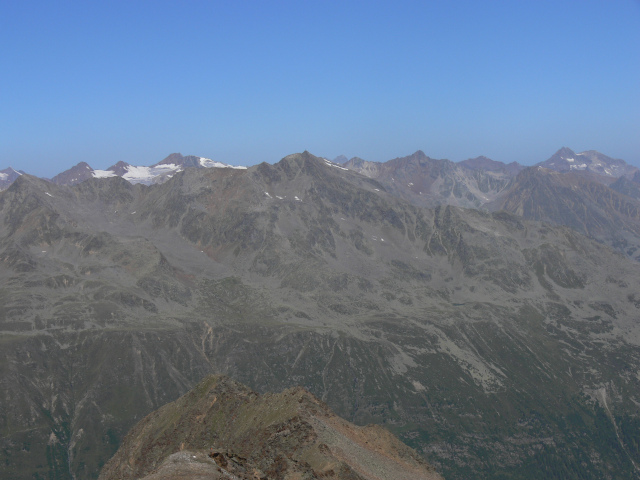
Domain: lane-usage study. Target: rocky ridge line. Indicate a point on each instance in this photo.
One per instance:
(222, 429)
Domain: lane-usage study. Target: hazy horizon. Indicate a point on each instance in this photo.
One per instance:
(254, 81)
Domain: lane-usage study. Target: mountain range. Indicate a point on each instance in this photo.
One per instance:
(591, 195)
(598, 196)
(158, 173)
(429, 170)
(499, 341)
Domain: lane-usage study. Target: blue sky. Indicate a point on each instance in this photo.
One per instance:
(245, 82)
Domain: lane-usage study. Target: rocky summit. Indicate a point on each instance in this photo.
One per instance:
(497, 346)
(222, 429)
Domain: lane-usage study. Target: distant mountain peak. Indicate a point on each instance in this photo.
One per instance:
(8, 176)
(179, 160)
(28, 181)
(300, 162)
(418, 156)
(565, 152)
(119, 168)
(566, 160)
(76, 174)
(489, 165)
(175, 158)
(356, 162)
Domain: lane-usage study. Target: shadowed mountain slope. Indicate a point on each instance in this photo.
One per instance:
(578, 200)
(223, 429)
(77, 174)
(628, 186)
(492, 344)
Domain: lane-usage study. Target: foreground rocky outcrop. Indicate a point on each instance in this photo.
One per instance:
(222, 429)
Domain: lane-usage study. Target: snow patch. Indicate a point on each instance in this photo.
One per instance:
(14, 171)
(47, 193)
(3, 176)
(103, 173)
(331, 164)
(570, 159)
(418, 387)
(267, 194)
(208, 163)
(147, 174)
(401, 362)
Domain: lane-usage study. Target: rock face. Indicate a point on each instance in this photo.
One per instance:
(222, 429)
